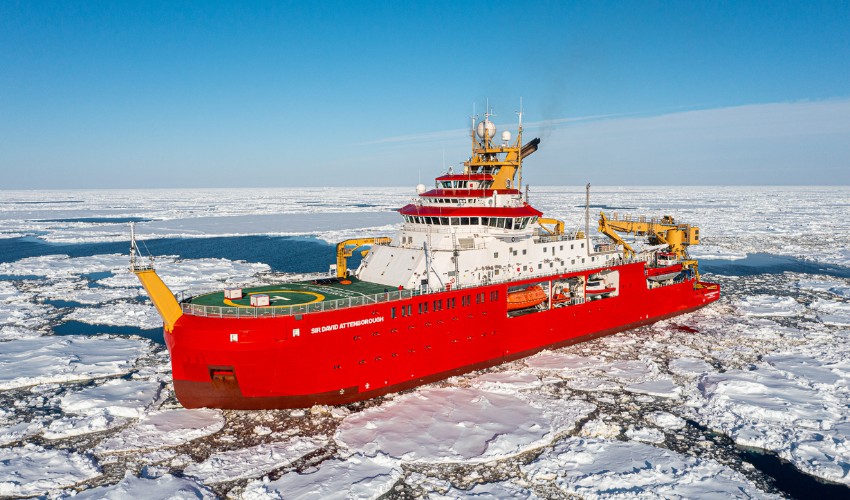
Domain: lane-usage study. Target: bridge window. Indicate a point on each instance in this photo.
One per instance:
(455, 221)
(473, 221)
(464, 221)
(444, 221)
(500, 223)
(485, 221)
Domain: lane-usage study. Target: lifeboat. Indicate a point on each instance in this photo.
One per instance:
(524, 299)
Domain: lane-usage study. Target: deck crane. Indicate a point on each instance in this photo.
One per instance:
(345, 249)
(660, 231)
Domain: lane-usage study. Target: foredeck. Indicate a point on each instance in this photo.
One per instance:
(299, 297)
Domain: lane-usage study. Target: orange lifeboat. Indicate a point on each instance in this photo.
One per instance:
(524, 299)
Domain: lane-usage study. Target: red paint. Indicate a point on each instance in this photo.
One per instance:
(271, 368)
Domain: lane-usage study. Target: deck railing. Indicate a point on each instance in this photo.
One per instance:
(277, 311)
(390, 296)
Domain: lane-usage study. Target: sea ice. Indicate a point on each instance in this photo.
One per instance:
(163, 429)
(663, 388)
(689, 366)
(54, 359)
(253, 461)
(122, 398)
(32, 470)
(137, 488)
(446, 425)
(595, 468)
(118, 314)
(831, 312)
(355, 477)
(769, 305)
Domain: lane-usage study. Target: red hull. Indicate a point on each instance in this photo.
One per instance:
(358, 353)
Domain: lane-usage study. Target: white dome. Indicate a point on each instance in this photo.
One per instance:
(420, 188)
(489, 126)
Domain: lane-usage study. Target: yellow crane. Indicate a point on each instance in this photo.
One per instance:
(345, 249)
(660, 231)
(557, 225)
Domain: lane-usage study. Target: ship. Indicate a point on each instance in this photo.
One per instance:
(474, 277)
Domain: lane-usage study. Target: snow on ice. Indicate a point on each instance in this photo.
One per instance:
(51, 359)
(33, 470)
(355, 477)
(448, 425)
(163, 429)
(140, 488)
(251, 462)
(766, 366)
(595, 468)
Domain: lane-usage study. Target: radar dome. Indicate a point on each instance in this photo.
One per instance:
(506, 136)
(486, 125)
(420, 188)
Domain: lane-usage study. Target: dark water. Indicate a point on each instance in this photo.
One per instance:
(62, 304)
(765, 263)
(785, 476)
(282, 253)
(19, 277)
(78, 328)
(793, 482)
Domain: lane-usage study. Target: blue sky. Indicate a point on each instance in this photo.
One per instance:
(207, 94)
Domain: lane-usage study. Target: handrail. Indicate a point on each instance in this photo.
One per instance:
(333, 305)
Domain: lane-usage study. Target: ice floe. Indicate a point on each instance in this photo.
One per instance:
(118, 314)
(52, 359)
(789, 407)
(769, 305)
(163, 429)
(140, 488)
(253, 461)
(594, 468)
(122, 398)
(831, 312)
(33, 470)
(355, 477)
(447, 425)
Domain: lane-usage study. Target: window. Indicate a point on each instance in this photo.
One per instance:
(485, 221)
(473, 221)
(562, 247)
(509, 223)
(494, 296)
(455, 221)
(544, 249)
(539, 266)
(392, 313)
(500, 223)
(523, 251)
(495, 255)
(444, 221)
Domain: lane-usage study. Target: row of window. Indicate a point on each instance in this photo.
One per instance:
(460, 184)
(439, 304)
(499, 222)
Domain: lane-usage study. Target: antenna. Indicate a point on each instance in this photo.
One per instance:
(587, 217)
